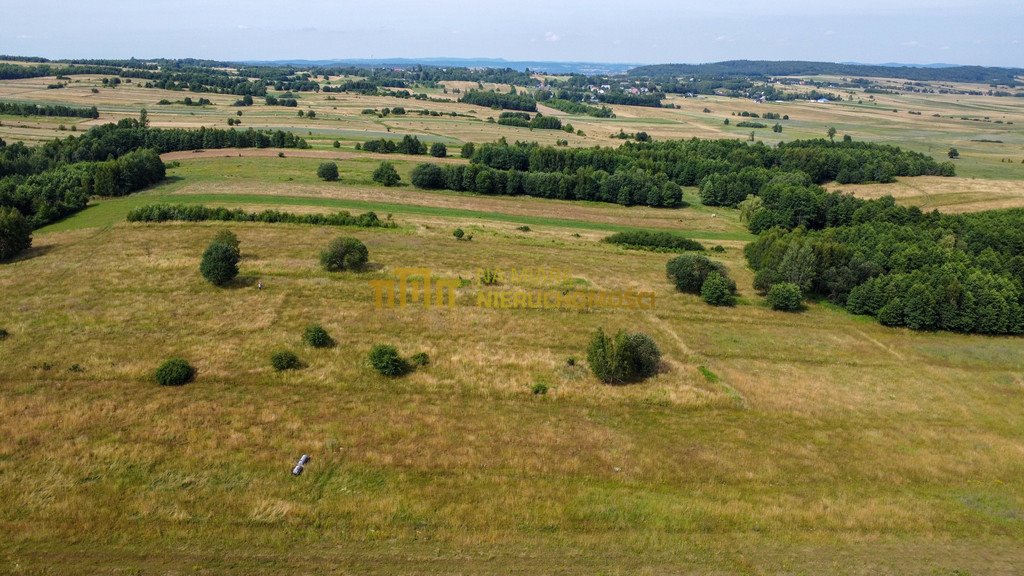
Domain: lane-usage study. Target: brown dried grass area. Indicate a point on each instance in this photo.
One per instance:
(952, 195)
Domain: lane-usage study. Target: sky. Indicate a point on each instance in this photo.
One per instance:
(983, 32)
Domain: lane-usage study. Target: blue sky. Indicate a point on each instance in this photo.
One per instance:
(986, 32)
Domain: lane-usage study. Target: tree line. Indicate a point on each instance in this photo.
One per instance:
(22, 109)
(580, 108)
(407, 145)
(728, 170)
(508, 101)
(200, 213)
(626, 187)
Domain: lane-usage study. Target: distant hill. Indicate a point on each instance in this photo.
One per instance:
(759, 68)
(535, 66)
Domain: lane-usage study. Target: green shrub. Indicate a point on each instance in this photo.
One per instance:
(328, 171)
(717, 291)
(467, 150)
(336, 144)
(285, 360)
(428, 176)
(570, 361)
(623, 358)
(419, 359)
(539, 389)
(689, 271)
(344, 254)
(385, 359)
(654, 240)
(438, 150)
(785, 296)
(523, 228)
(4, 334)
(458, 233)
(220, 264)
(386, 175)
(15, 233)
(317, 337)
(228, 238)
(175, 372)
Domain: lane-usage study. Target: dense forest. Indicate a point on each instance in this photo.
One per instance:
(51, 181)
(692, 162)
(961, 273)
(764, 68)
(506, 100)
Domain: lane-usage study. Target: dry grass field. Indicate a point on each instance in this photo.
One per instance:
(768, 443)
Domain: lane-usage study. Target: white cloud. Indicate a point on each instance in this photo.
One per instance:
(552, 37)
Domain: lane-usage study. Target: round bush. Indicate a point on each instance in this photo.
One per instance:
(15, 233)
(419, 359)
(4, 334)
(717, 291)
(429, 176)
(285, 360)
(438, 150)
(785, 296)
(386, 175)
(328, 171)
(220, 264)
(689, 271)
(458, 233)
(385, 359)
(175, 372)
(317, 337)
(344, 254)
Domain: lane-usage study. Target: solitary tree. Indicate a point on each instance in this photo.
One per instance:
(386, 174)
(438, 150)
(467, 150)
(15, 233)
(220, 264)
(328, 171)
(953, 153)
(832, 133)
(344, 254)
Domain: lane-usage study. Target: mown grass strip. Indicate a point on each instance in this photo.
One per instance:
(108, 212)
